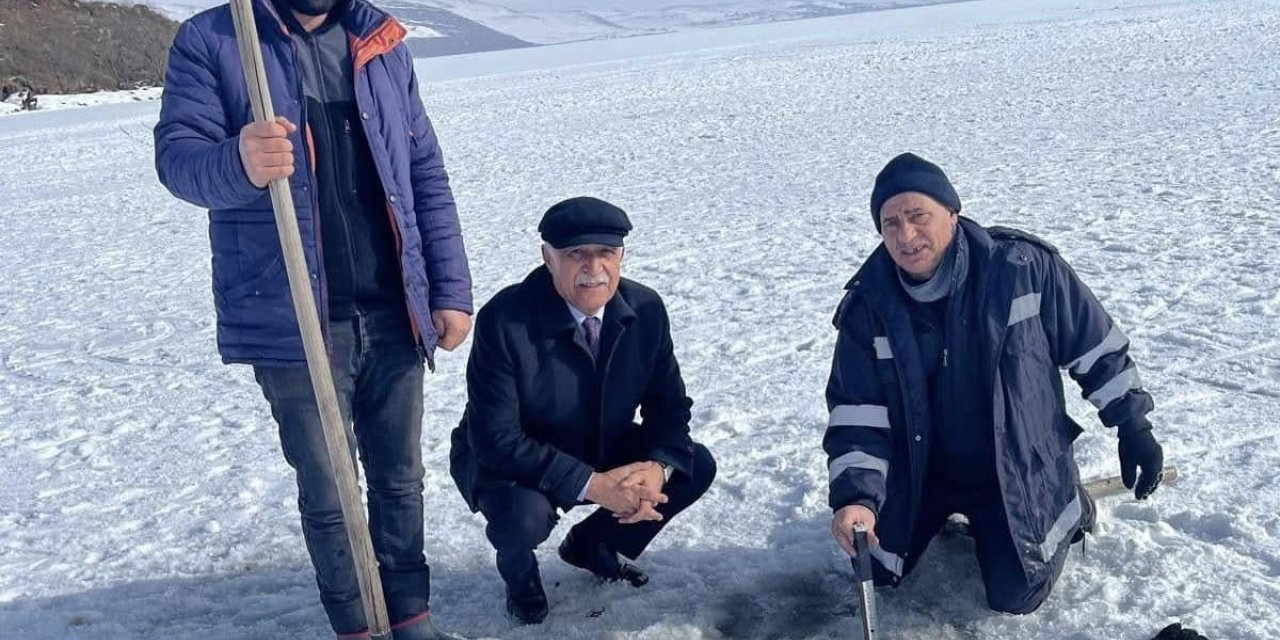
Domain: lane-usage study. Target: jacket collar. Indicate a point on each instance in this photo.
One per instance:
(878, 276)
(281, 11)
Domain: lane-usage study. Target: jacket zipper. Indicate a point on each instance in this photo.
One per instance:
(312, 197)
(908, 411)
(333, 170)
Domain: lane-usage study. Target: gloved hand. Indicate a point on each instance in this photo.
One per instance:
(1176, 631)
(1140, 449)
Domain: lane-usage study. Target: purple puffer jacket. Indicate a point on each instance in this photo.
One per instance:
(206, 103)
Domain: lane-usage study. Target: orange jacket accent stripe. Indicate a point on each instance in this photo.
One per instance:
(383, 39)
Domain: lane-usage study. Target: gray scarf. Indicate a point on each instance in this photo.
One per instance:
(951, 272)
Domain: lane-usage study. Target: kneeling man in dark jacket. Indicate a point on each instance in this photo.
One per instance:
(945, 393)
(559, 365)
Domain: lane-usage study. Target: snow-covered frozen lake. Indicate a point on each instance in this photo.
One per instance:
(142, 493)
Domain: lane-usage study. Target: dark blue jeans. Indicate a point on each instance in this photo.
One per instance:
(378, 375)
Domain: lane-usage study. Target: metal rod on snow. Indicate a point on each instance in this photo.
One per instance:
(335, 431)
(866, 586)
(1098, 488)
(1114, 486)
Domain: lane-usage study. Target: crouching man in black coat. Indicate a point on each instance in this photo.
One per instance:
(559, 365)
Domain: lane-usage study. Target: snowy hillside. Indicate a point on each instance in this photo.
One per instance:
(552, 21)
(432, 30)
(142, 493)
(549, 21)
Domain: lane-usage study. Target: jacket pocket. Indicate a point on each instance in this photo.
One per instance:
(248, 261)
(1039, 486)
(258, 283)
(415, 134)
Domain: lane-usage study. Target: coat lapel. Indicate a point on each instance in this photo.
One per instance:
(618, 317)
(556, 325)
(552, 314)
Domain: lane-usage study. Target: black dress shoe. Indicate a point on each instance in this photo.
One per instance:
(526, 601)
(633, 575)
(527, 609)
(600, 560)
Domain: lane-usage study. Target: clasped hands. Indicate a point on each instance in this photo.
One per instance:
(631, 491)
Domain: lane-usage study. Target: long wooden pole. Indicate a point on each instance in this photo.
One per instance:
(335, 431)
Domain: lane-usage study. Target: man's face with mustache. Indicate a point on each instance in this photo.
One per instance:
(586, 276)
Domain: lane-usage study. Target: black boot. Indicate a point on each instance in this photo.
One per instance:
(526, 601)
(1178, 632)
(599, 559)
(1088, 515)
(424, 629)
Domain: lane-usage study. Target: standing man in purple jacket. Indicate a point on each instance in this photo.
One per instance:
(383, 245)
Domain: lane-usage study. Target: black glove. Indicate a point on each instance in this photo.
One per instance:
(1176, 631)
(1140, 449)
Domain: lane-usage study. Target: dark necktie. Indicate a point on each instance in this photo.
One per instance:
(591, 331)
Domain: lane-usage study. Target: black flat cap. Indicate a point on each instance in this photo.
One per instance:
(584, 220)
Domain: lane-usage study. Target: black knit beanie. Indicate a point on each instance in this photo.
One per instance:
(909, 172)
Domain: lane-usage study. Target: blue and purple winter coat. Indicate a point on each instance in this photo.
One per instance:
(206, 103)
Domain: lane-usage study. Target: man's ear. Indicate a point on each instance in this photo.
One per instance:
(546, 255)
